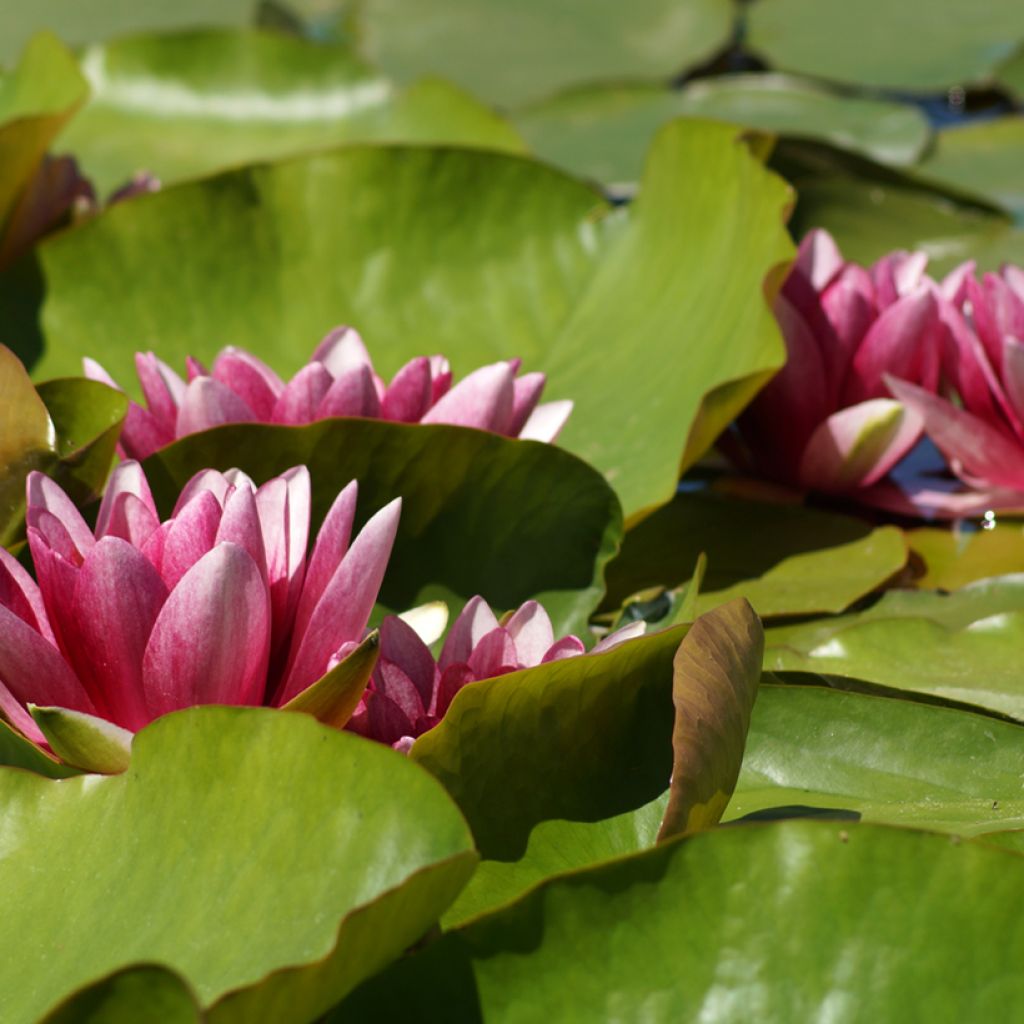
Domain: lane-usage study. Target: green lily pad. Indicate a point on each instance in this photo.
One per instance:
(785, 922)
(42, 92)
(887, 761)
(869, 219)
(784, 559)
(921, 46)
(67, 429)
(512, 53)
(1011, 74)
(457, 535)
(603, 131)
(136, 995)
(973, 663)
(187, 104)
(985, 157)
(953, 558)
(78, 23)
(336, 840)
(715, 676)
(556, 277)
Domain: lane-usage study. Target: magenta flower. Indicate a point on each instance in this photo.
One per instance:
(979, 424)
(409, 691)
(216, 605)
(826, 421)
(339, 380)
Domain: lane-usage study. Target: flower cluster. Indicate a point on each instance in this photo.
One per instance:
(878, 357)
(217, 604)
(410, 691)
(339, 380)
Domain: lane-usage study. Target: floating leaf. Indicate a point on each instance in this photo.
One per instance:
(603, 131)
(785, 559)
(457, 535)
(510, 53)
(178, 867)
(953, 558)
(186, 104)
(887, 761)
(556, 278)
(582, 738)
(921, 46)
(136, 995)
(692, 930)
(985, 158)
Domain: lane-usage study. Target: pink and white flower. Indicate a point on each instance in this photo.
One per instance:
(339, 380)
(410, 692)
(827, 421)
(217, 604)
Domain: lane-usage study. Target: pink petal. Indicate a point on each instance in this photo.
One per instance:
(127, 509)
(408, 397)
(475, 621)
(546, 421)
(284, 508)
(351, 394)
(57, 576)
(818, 258)
(211, 480)
(342, 350)
(92, 370)
(440, 378)
(190, 536)
(208, 403)
(526, 392)
(453, 679)
(975, 307)
(897, 274)
(1014, 278)
(20, 594)
(328, 551)
(850, 314)
(163, 388)
(402, 647)
(211, 641)
(302, 395)
(344, 606)
(1013, 375)
(394, 684)
(142, 433)
(380, 719)
(249, 378)
(978, 453)
(567, 647)
(482, 400)
(1006, 307)
(620, 636)
(195, 369)
(33, 670)
(43, 495)
(530, 629)
(494, 655)
(20, 719)
(897, 343)
(954, 285)
(858, 445)
(240, 524)
(117, 599)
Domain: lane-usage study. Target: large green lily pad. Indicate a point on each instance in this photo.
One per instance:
(921, 46)
(792, 921)
(457, 535)
(231, 824)
(135, 995)
(35, 100)
(963, 650)
(603, 132)
(512, 53)
(716, 671)
(952, 558)
(78, 23)
(1011, 74)
(187, 104)
(888, 761)
(474, 254)
(785, 559)
(985, 157)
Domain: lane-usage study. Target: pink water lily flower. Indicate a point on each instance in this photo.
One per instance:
(339, 380)
(218, 604)
(827, 421)
(978, 423)
(409, 691)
